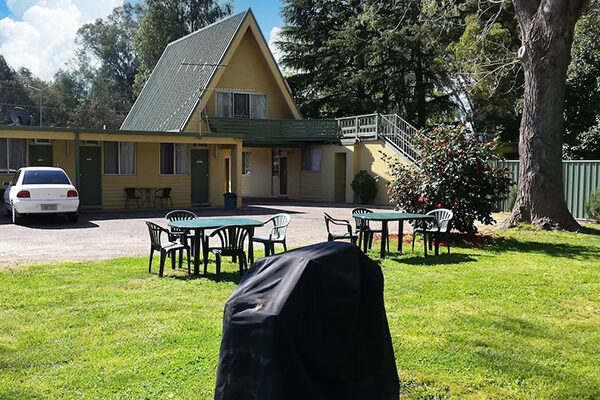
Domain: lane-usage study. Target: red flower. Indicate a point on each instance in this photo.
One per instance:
(449, 153)
(426, 140)
(440, 173)
(439, 205)
(422, 200)
(456, 204)
(492, 143)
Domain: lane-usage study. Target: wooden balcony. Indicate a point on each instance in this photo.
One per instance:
(277, 131)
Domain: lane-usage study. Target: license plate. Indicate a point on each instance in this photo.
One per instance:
(49, 207)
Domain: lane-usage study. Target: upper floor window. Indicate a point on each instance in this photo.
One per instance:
(119, 158)
(241, 105)
(174, 159)
(13, 154)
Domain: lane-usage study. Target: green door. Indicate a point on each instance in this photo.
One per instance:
(199, 161)
(40, 156)
(89, 176)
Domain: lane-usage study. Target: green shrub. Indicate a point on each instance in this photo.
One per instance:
(365, 186)
(592, 207)
(456, 171)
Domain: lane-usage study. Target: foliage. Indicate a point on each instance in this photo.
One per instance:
(109, 43)
(349, 58)
(582, 102)
(365, 186)
(92, 114)
(592, 207)
(483, 60)
(457, 172)
(514, 319)
(164, 21)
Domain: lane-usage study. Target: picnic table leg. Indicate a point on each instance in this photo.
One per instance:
(250, 246)
(360, 238)
(384, 238)
(196, 251)
(425, 242)
(400, 235)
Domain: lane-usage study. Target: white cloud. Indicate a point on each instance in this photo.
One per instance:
(274, 37)
(42, 37)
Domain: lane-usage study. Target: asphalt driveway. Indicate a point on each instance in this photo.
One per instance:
(106, 235)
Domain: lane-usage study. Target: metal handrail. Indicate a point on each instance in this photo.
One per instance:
(390, 127)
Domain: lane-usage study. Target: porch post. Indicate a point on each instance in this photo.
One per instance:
(236, 172)
(77, 160)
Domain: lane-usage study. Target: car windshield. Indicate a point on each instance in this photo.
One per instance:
(42, 177)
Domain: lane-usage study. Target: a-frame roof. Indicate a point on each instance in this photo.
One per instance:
(183, 74)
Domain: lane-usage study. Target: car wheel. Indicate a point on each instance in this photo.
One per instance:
(73, 217)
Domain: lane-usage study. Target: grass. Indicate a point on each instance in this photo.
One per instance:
(518, 318)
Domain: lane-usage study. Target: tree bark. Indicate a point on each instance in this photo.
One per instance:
(547, 28)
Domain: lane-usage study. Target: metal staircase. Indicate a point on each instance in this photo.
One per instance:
(392, 129)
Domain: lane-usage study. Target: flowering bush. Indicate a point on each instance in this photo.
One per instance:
(456, 171)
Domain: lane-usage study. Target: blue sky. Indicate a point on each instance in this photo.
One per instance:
(266, 12)
(30, 36)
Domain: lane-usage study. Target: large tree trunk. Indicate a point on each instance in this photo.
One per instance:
(547, 35)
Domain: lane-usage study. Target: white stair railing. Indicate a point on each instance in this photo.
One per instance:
(390, 127)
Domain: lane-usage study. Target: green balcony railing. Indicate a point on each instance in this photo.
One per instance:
(277, 130)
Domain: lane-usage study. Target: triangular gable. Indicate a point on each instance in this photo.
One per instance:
(249, 24)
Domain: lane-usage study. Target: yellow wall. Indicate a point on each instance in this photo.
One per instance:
(371, 160)
(216, 166)
(246, 71)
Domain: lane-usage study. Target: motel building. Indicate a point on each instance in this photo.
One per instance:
(215, 116)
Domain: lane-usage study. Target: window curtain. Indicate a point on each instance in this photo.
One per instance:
(111, 165)
(166, 158)
(311, 159)
(241, 105)
(182, 159)
(224, 104)
(17, 154)
(259, 106)
(127, 158)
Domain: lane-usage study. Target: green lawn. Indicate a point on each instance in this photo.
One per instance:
(518, 318)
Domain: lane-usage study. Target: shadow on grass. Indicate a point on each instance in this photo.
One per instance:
(442, 259)
(551, 249)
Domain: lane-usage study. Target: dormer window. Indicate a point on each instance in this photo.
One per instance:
(241, 105)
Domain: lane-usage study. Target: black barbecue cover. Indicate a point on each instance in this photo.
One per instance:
(308, 324)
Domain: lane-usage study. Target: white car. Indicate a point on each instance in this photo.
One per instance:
(40, 190)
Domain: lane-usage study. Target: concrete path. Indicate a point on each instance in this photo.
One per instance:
(106, 235)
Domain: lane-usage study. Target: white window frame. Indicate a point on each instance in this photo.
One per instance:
(7, 170)
(119, 160)
(233, 102)
(246, 163)
(174, 160)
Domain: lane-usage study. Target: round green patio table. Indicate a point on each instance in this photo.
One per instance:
(385, 218)
(199, 225)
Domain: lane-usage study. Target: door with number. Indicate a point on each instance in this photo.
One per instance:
(199, 162)
(90, 176)
(40, 156)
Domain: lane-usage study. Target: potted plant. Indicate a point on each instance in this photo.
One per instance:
(364, 186)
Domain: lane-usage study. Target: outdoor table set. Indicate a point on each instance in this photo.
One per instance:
(385, 218)
(200, 225)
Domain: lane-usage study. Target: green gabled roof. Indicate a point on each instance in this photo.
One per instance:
(181, 77)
